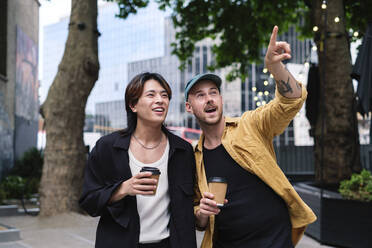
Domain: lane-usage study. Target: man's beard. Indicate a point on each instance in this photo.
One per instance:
(209, 123)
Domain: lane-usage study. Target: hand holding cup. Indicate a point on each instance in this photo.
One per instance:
(155, 174)
(140, 184)
(208, 206)
(218, 187)
(211, 201)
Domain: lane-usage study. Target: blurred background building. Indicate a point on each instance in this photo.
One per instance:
(257, 90)
(143, 43)
(168, 66)
(19, 39)
(140, 36)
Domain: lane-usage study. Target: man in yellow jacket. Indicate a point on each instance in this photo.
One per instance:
(262, 208)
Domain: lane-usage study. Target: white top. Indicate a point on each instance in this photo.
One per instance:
(153, 210)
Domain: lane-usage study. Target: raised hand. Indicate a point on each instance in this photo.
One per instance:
(277, 51)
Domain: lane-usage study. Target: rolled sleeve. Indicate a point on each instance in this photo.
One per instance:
(272, 118)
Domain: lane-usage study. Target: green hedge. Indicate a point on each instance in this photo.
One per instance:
(24, 178)
(358, 187)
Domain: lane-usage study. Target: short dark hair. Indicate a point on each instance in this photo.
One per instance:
(134, 91)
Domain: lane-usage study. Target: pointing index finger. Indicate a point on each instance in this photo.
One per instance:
(273, 36)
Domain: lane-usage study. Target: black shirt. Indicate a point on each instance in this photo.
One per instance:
(255, 215)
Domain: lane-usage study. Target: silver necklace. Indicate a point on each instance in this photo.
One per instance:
(146, 147)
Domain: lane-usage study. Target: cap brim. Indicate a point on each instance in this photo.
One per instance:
(209, 76)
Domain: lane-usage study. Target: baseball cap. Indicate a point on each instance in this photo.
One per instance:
(206, 76)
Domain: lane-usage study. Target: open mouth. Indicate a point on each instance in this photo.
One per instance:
(211, 110)
(158, 110)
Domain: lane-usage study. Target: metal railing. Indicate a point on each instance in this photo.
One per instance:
(299, 160)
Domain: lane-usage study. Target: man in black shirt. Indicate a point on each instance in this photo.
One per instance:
(255, 216)
(263, 209)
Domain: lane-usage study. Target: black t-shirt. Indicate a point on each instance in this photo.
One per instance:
(255, 215)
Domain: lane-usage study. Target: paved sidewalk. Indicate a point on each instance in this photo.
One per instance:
(73, 231)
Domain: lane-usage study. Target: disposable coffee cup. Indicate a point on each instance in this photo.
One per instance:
(218, 186)
(155, 175)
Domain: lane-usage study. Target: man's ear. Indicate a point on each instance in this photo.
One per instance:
(188, 108)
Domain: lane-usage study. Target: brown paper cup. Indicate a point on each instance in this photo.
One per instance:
(157, 181)
(155, 175)
(218, 186)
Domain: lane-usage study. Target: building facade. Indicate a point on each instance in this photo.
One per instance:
(257, 90)
(168, 67)
(143, 43)
(140, 36)
(110, 116)
(19, 39)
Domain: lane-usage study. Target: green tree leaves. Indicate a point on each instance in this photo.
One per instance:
(242, 28)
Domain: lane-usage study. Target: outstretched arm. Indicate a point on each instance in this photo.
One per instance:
(278, 51)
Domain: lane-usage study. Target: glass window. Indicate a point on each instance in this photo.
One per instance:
(197, 60)
(182, 107)
(213, 58)
(176, 132)
(189, 66)
(192, 135)
(3, 36)
(197, 125)
(189, 121)
(287, 137)
(182, 80)
(244, 93)
(205, 59)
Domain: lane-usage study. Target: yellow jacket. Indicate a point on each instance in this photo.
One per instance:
(248, 140)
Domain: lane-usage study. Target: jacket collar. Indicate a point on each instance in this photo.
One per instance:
(122, 141)
(231, 120)
(175, 142)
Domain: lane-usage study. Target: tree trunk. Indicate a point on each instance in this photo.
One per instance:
(64, 112)
(339, 134)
